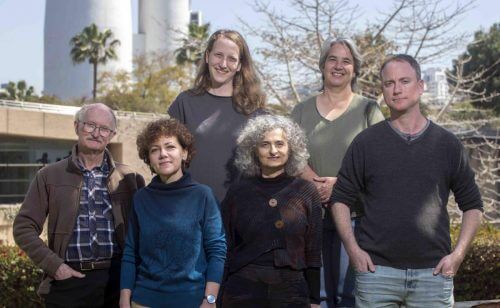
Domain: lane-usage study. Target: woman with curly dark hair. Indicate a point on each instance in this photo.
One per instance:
(226, 93)
(175, 247)
(272, 220)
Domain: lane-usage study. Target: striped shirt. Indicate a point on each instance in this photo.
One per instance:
(94, 234)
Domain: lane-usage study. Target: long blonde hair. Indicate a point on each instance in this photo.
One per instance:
(247, 92)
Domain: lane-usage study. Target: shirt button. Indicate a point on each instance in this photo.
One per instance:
(279, 224)
(273, 202)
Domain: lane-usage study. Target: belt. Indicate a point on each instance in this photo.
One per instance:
(90, 265)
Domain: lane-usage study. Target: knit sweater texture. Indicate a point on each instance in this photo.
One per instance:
(175, 243)
(287, 222)
(405, 188)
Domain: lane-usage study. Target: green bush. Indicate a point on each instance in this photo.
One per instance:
(477, 279)
(19, 279)
(479, 276)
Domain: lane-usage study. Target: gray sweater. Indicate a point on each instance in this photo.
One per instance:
(405, 188)
(215, 125)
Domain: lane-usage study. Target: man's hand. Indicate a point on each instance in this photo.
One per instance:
(361, 261)
(325, 187)
(448, 265)
(65, 272)
(315, 306)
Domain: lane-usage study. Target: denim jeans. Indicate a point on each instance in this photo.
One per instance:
(391, 287)
(338, 273)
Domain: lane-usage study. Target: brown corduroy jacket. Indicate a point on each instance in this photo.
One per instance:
(55, 192)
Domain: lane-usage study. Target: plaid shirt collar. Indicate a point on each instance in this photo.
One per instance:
(104, 167)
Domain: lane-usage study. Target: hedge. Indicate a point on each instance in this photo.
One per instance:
(19, 279)
(477, 279)
(479, 275)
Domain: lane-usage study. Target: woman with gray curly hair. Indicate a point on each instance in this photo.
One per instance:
(272, 220)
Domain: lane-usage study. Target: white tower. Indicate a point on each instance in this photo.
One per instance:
(161, 25)
(63, 20)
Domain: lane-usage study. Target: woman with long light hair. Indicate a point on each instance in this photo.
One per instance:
(226, 93)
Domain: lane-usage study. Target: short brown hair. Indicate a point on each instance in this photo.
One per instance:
(402, 58)
(165, 128)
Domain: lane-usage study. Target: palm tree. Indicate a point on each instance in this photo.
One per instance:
(94, 46)
(19, 91)
(192, 46)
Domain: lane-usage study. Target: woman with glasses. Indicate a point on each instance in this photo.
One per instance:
(272, 220)
(225, 95)
(175, 246)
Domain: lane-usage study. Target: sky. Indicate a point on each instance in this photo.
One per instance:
(22, 22)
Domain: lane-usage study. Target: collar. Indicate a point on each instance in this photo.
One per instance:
(74, 164)
(184, 181)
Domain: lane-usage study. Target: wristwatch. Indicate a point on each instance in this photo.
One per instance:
(210, 298)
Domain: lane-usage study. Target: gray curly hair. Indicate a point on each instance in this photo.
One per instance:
(246, 159)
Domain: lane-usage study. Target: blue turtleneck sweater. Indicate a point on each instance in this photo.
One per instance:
(175, 244)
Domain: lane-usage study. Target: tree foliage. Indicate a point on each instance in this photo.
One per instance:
(95, 46)
(193, 45)
(19, 91)
(151, 87)
(478, 69)
(291, 41)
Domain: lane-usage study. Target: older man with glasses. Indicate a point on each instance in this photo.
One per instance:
(87, 197)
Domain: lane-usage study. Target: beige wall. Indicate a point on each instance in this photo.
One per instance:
(55, 126)
(49, 125)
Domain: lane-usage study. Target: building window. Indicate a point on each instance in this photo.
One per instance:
(21, 158)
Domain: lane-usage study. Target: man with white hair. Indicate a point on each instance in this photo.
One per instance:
(86, 197)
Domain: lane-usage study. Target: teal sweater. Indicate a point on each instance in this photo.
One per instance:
(175, 243)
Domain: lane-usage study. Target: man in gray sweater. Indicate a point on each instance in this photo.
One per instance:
(404, 169)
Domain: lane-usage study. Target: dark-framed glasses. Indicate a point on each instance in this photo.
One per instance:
(91, 127)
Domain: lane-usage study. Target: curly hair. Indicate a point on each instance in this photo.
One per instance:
(356, 56)
(246, 159)
(165, 128)
(247, 93)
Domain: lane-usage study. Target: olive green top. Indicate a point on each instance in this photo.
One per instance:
(328, 140)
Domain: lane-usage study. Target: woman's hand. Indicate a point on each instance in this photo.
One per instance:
(325, 187)
(315, 306)
(205, 304)
(125, 295)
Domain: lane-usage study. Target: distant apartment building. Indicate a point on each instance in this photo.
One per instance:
(436, 91)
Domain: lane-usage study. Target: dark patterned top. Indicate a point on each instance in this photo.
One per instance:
(94, 233)
(287, 222)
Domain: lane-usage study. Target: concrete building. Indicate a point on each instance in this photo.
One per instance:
(162, 23)
(436, 91)
(32, 135)
(66, 18)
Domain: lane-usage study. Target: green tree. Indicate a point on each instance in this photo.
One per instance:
(19, 91)
(479, 69)
(95, 46)
(192, 46)
(151, 87)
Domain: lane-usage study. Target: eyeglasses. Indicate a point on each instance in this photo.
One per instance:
(91, 127)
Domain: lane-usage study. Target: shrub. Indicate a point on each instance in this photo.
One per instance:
(19, 279)
(479, 276)
(477, 279)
